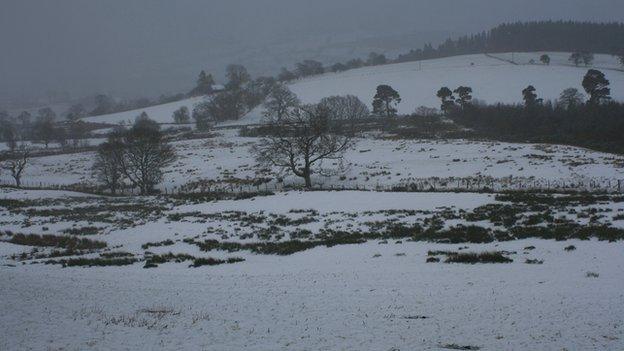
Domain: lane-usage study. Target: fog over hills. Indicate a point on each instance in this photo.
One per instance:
(144, 48)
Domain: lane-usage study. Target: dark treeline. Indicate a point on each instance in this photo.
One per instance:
(569, 36)
(599, 127)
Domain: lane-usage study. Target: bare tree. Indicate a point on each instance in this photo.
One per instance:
(109, 161)
(16, 163)
(145, 154)
(345, 108)
(570, 98)
(280, 102)
(181, 115)
(302, 140)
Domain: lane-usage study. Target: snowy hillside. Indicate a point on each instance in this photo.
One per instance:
(493, 80)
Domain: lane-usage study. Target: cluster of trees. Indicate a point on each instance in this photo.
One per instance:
(530, 36)
(136, 156)
(449, 101)
(595, 122)
(241, 94)
(311, 67)
(43, 127)
(105, 104)
(581, 57)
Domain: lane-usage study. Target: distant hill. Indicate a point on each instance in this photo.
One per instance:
(493, 79)
(568, 36)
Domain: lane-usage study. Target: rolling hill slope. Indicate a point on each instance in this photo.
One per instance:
(492, 78)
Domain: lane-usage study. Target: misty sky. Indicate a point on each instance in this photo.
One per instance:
(147, 47)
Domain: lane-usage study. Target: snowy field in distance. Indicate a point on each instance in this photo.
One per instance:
(371, 162)
(492, 80)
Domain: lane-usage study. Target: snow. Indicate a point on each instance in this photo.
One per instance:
(492, 80)
(353, 201)
(370, 163)
(336, 298)
(160, 113)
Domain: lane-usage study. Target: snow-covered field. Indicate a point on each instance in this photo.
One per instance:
(374, 295)
(325, 299)
(373, 162)
(492, 80)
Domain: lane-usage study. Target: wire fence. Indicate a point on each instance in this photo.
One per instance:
(454, 184)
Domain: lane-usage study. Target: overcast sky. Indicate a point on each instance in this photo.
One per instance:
(147, 47)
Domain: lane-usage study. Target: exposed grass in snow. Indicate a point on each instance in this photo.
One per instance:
(66, 242)
(482, 257)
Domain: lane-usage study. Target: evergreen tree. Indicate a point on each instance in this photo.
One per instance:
(205, 82)
(545, 59)
(385, 101)
(446, 96)
(530, 97)
(464, 95)
(597, 86)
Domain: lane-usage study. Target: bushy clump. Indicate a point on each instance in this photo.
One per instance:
(66, 242)
(499, 214)
(282, 248)
(167, 242)
(91, 262)
(154, 260)
(483, 257)
(568, 231)
(116, 254)
(570, 248)
(460, 234)
(82, 231)
(533, 261)
(209, 261)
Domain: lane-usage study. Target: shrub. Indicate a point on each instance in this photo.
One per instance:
(82, 231)
(90, 262)
(535, 261)
(67, 242)
(167, 242)
(483, 257)
(570, 248)
(209, 261)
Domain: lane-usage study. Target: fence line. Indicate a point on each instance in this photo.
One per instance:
(467, 184)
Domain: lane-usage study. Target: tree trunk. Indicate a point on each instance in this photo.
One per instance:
(308, 180)
(18, 182)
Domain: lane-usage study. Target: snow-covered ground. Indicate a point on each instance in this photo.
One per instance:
(492, 80)
(337, 298)
(378, 295)
(372, 162)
